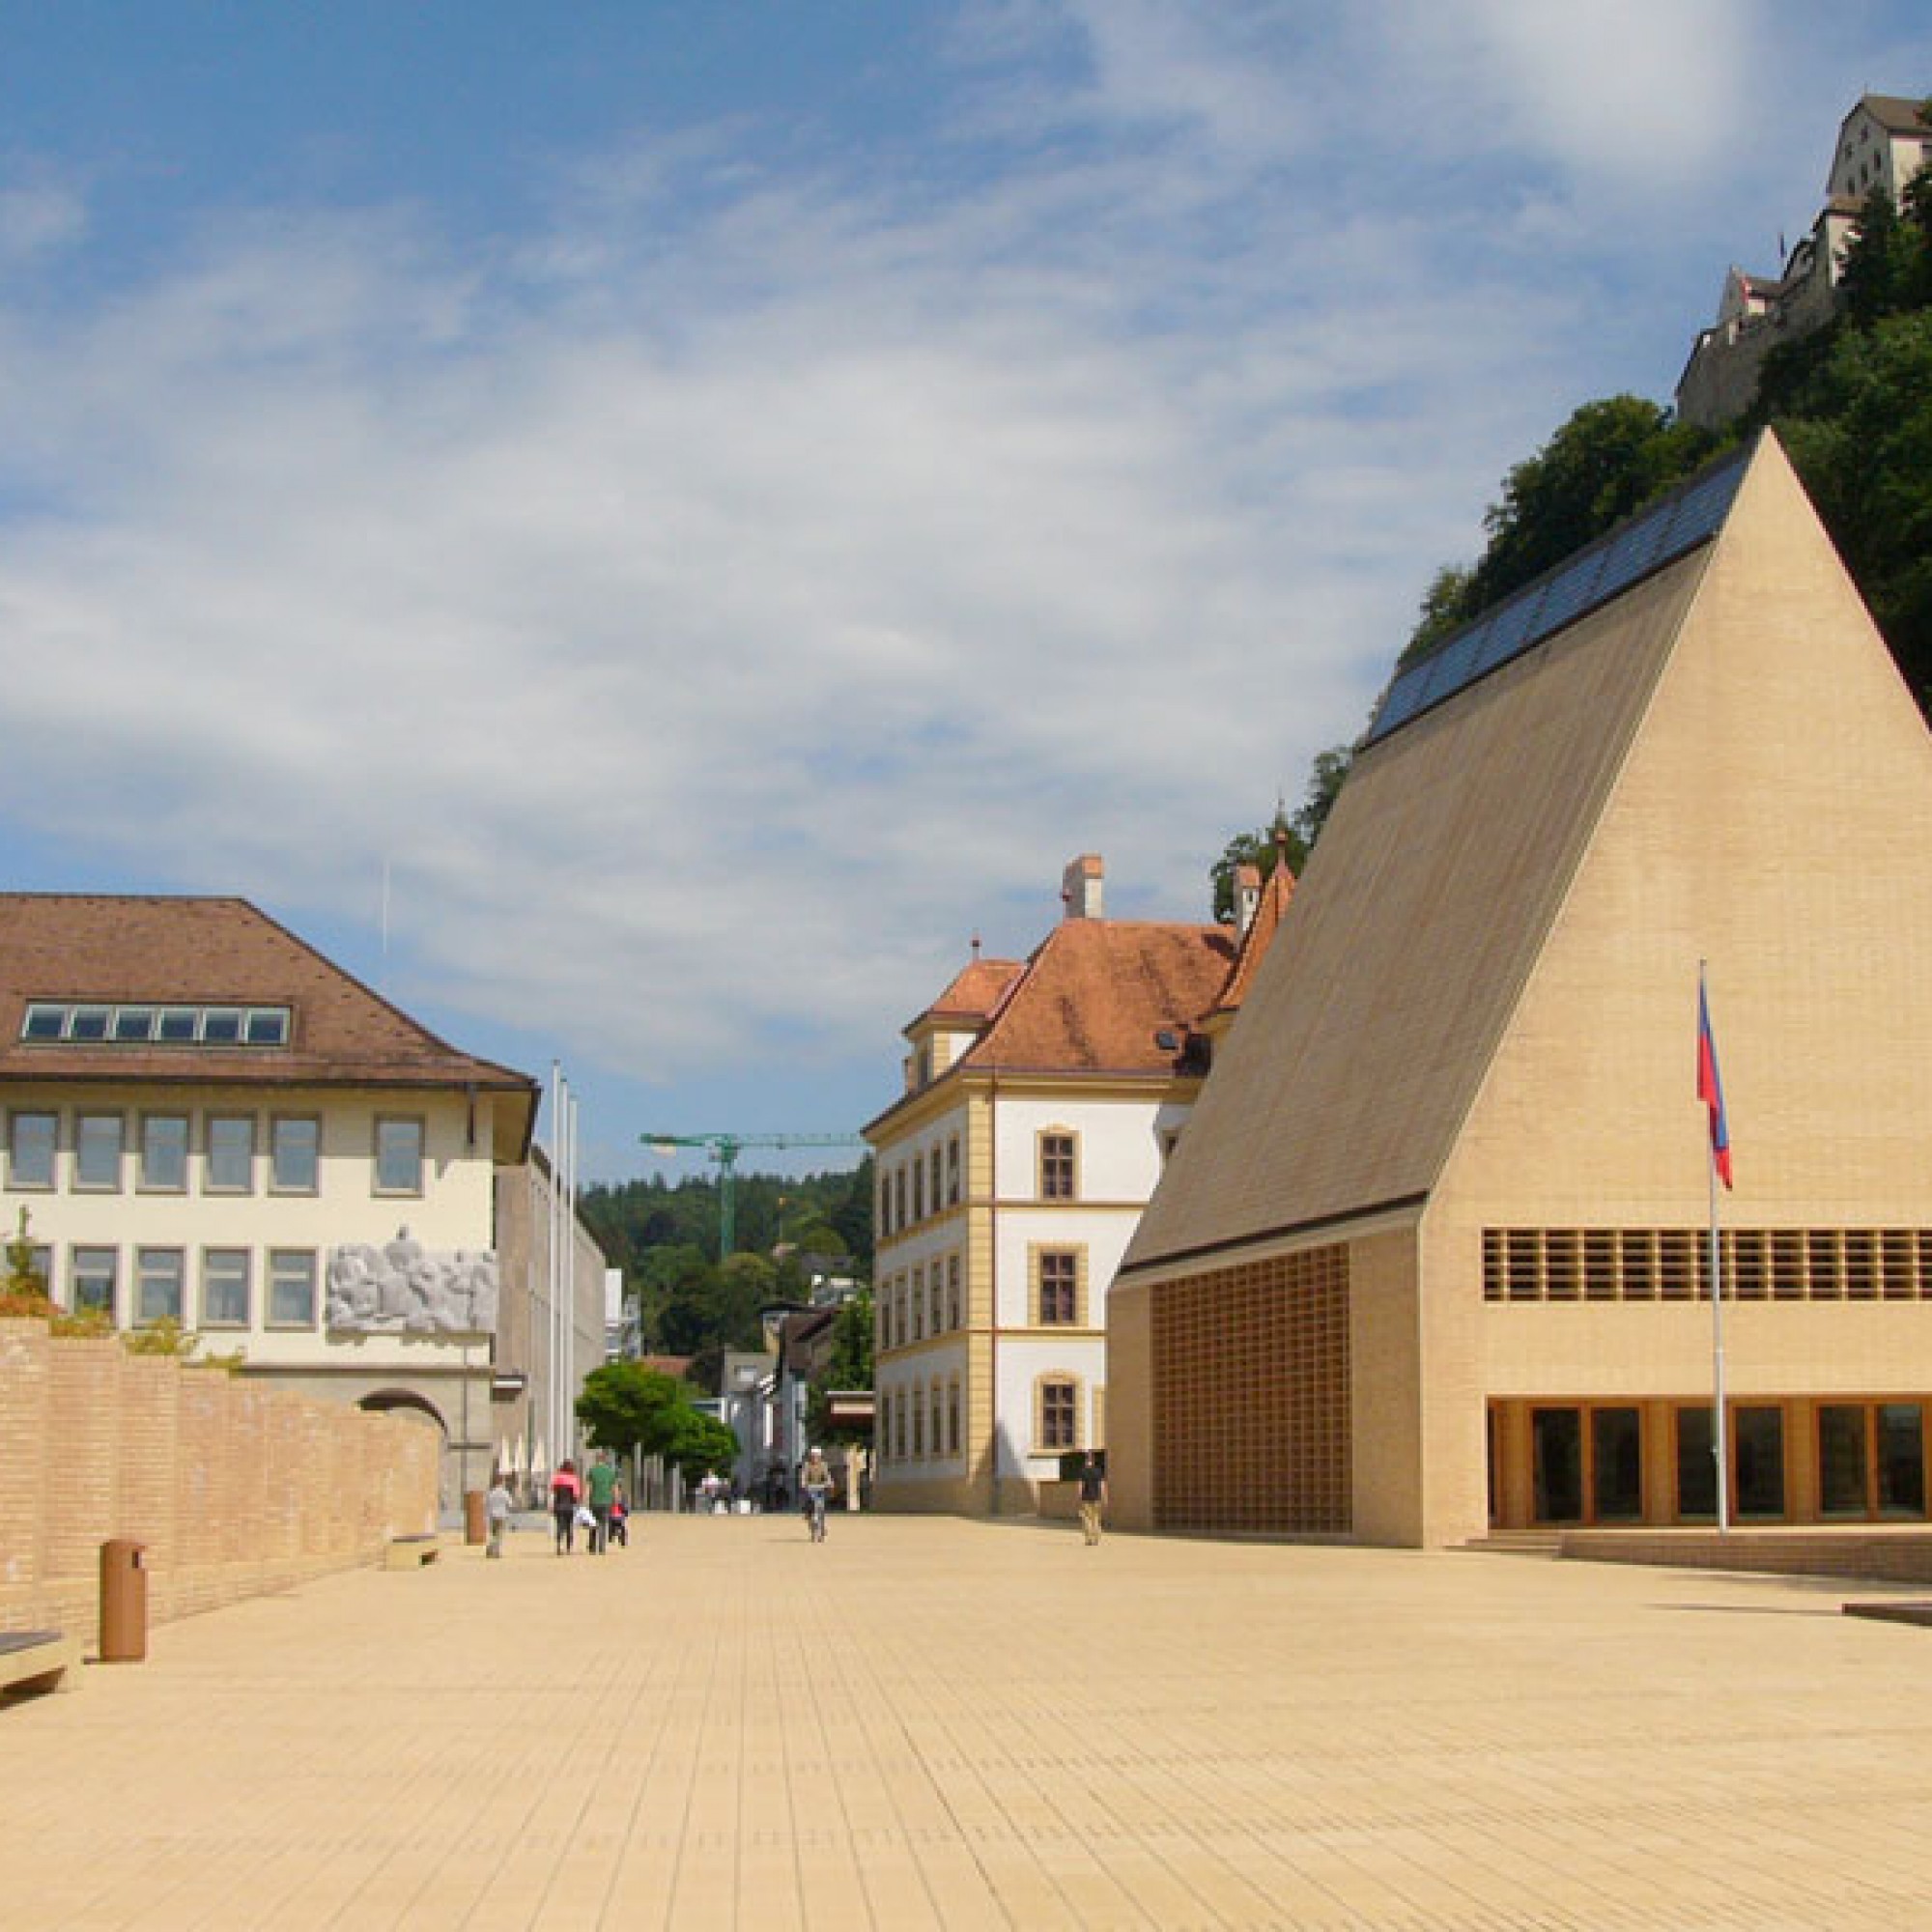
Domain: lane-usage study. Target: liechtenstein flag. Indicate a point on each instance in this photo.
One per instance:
(1711, 1089)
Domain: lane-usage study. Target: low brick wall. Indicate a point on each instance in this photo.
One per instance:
(1863, 1554)
(235, 1489)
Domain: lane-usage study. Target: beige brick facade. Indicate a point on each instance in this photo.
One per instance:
(236, 1490)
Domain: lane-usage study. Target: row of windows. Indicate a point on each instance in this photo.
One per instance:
(927, 1300)
(916, 1423)
(217, 1290)
(1867, 1462)
(165, 1150)
(929, 1183)
(148, 1023)
(910, 1423)
(1674, 1263)
(917, 1302)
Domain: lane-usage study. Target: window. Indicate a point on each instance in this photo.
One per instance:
(91, 1278)
(224, 1288)
(229, 1167)
(399, 1155)
(1057, 1284)
(1057, 1177)
(1058, 1427)
(899, 1197)
(31, 1142)
(953, 1418)
(291, 1287)
(953, 1172)
(1757, 1460)
(41, 1265)
(918, 1422)
(917, 1189)
(141, 1023)
(295, 1146)
(885, 1206)
(164, 1153)
(1871, 1459)
(919, 1303)
(952, 1292)
(96, 1150)
(932, 1175)
(157, 1285)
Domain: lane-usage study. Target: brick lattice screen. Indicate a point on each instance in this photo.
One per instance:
(1251, 1398)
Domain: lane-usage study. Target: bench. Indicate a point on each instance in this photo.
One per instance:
(410, 1552)
(36, 1660)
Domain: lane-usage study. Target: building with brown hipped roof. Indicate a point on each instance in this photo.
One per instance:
(1042, 1098)
(208, 1121)
(1434, 1256)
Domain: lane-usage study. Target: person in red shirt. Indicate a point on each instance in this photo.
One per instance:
(566, 1492)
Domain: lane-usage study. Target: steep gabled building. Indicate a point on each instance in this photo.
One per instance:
(1433, 1255)
(1042, 1098)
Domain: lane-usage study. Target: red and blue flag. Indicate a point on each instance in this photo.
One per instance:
(1711, 1089)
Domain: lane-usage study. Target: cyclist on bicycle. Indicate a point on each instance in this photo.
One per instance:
(816, 1481)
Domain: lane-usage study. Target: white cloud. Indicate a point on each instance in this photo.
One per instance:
(716, 604)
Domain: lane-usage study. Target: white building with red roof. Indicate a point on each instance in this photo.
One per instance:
(1041, 1099)
(207, 1121)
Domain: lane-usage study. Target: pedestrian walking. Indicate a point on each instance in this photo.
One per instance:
(1093, 1497)
(601, 1485)
(496, 1508)
(566, 1495)
(620, 1517)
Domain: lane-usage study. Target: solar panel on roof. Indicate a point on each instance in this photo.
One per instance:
(1592, 577)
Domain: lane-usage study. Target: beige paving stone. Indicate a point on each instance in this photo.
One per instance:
(949, 1725)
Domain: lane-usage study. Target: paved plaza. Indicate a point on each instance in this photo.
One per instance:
(931, 1722)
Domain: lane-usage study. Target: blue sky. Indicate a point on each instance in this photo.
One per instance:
(723, 502)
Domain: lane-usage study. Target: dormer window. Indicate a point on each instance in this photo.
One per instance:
(148, 1023)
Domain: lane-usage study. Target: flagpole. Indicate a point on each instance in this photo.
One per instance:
(1718, 1443)
(1719, 1448)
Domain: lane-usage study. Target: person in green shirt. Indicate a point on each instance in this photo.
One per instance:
(600, 1484)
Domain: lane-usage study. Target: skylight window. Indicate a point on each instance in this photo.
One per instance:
(144, 1023)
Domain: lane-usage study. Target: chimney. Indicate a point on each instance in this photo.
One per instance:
(1247, 897)
(1079, 887)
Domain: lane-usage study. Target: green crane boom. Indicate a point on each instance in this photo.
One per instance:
(725, 1150)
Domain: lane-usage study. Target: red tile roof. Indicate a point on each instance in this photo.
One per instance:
(975, 993)
(204, 951)
(1098, 993)
(1259, 937)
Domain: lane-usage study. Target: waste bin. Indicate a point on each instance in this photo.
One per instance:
(474, 1530)
(124, 1601)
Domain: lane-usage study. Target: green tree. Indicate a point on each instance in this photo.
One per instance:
(626, 1407)
(848, 1365)
(24, 1291)
(1879, 270)
(1610, 459)
(1861, 437)
(699, 1442)
(1325, 781)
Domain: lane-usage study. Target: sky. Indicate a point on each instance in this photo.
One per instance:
(641, 529)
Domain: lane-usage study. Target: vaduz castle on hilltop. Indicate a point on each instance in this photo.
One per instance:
(1882, 142)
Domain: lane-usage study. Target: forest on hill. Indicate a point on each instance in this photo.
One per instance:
(1852, 405)
(663, 1235)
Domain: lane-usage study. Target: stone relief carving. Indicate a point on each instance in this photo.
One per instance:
(404, 1289)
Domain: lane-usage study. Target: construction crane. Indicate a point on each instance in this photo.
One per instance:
(725, 1150)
